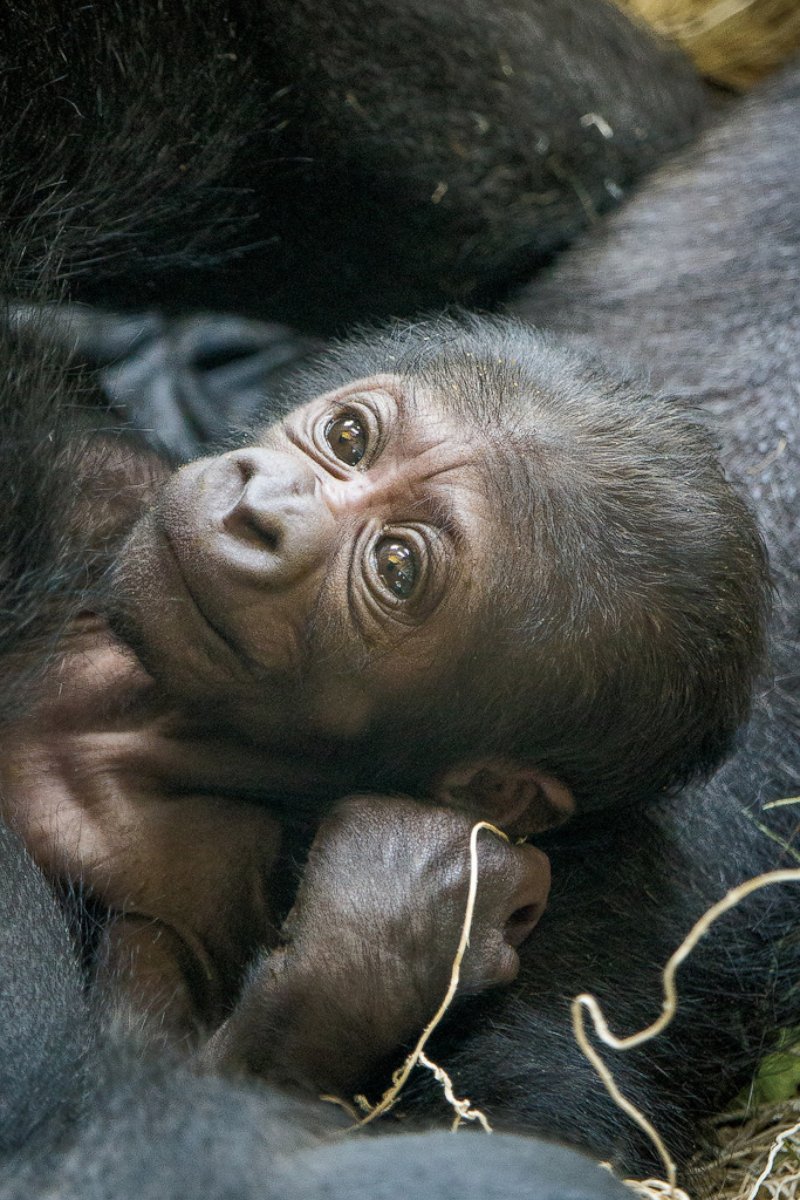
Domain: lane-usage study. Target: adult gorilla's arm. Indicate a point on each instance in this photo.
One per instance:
(317, 163)
(311, 163)
(45, 1019)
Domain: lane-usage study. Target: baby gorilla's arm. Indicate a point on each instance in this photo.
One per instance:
(371, 940)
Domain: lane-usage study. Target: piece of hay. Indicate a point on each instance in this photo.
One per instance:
(733, 42)
(463, 1109)
(751, 1155)
(655, 1189)
(588, 1003)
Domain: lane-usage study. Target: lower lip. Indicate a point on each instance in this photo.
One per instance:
(218, 633)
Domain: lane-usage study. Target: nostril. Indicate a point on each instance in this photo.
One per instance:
(521, 923)
(252, 519)
(272, 511)
(261, 528)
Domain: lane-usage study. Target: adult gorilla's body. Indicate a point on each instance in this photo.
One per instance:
(663, 855)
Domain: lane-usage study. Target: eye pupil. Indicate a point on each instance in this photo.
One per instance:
(347, 439)
(397, 567)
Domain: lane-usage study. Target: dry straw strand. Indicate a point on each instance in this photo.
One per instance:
(735, 42)
(656, 1189)
(400, 1076)
(463, 1109)
(587, 1002)
(777, 1146)
(742, 1147)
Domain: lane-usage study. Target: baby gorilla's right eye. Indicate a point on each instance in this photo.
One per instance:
(396, 564)
(347, 438)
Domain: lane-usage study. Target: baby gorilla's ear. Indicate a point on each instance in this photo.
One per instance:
(520, 799)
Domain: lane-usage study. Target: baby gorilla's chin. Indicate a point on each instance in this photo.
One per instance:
(150, 609)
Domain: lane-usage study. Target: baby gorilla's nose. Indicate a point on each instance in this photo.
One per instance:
(278, 521)
(273, 485)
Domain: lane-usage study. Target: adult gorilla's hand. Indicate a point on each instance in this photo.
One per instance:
(372, 938)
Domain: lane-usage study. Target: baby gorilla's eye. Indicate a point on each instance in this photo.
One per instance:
(347, 439)
(396, 564)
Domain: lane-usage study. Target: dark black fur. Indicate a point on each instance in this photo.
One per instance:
(625, 893)
(321, 162)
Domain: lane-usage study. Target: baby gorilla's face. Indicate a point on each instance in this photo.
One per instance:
(322, 579)
(515, 554)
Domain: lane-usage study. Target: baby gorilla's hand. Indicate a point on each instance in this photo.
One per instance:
(385, 892)
(372, 938)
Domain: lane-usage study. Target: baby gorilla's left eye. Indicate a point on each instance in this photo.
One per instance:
(396, 564)
(347, 438)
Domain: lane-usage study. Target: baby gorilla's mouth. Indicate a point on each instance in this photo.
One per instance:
(219, 633)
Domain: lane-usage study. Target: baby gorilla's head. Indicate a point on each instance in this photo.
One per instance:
(465, 555)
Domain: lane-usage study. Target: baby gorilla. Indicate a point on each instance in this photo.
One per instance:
(467, 565)
(462, 543)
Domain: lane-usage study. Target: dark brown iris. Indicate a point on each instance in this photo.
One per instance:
(347, 439)
(397, 567)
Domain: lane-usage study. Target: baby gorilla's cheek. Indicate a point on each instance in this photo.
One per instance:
(340, 708)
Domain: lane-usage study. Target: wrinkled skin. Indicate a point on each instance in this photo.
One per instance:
(278, 613)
